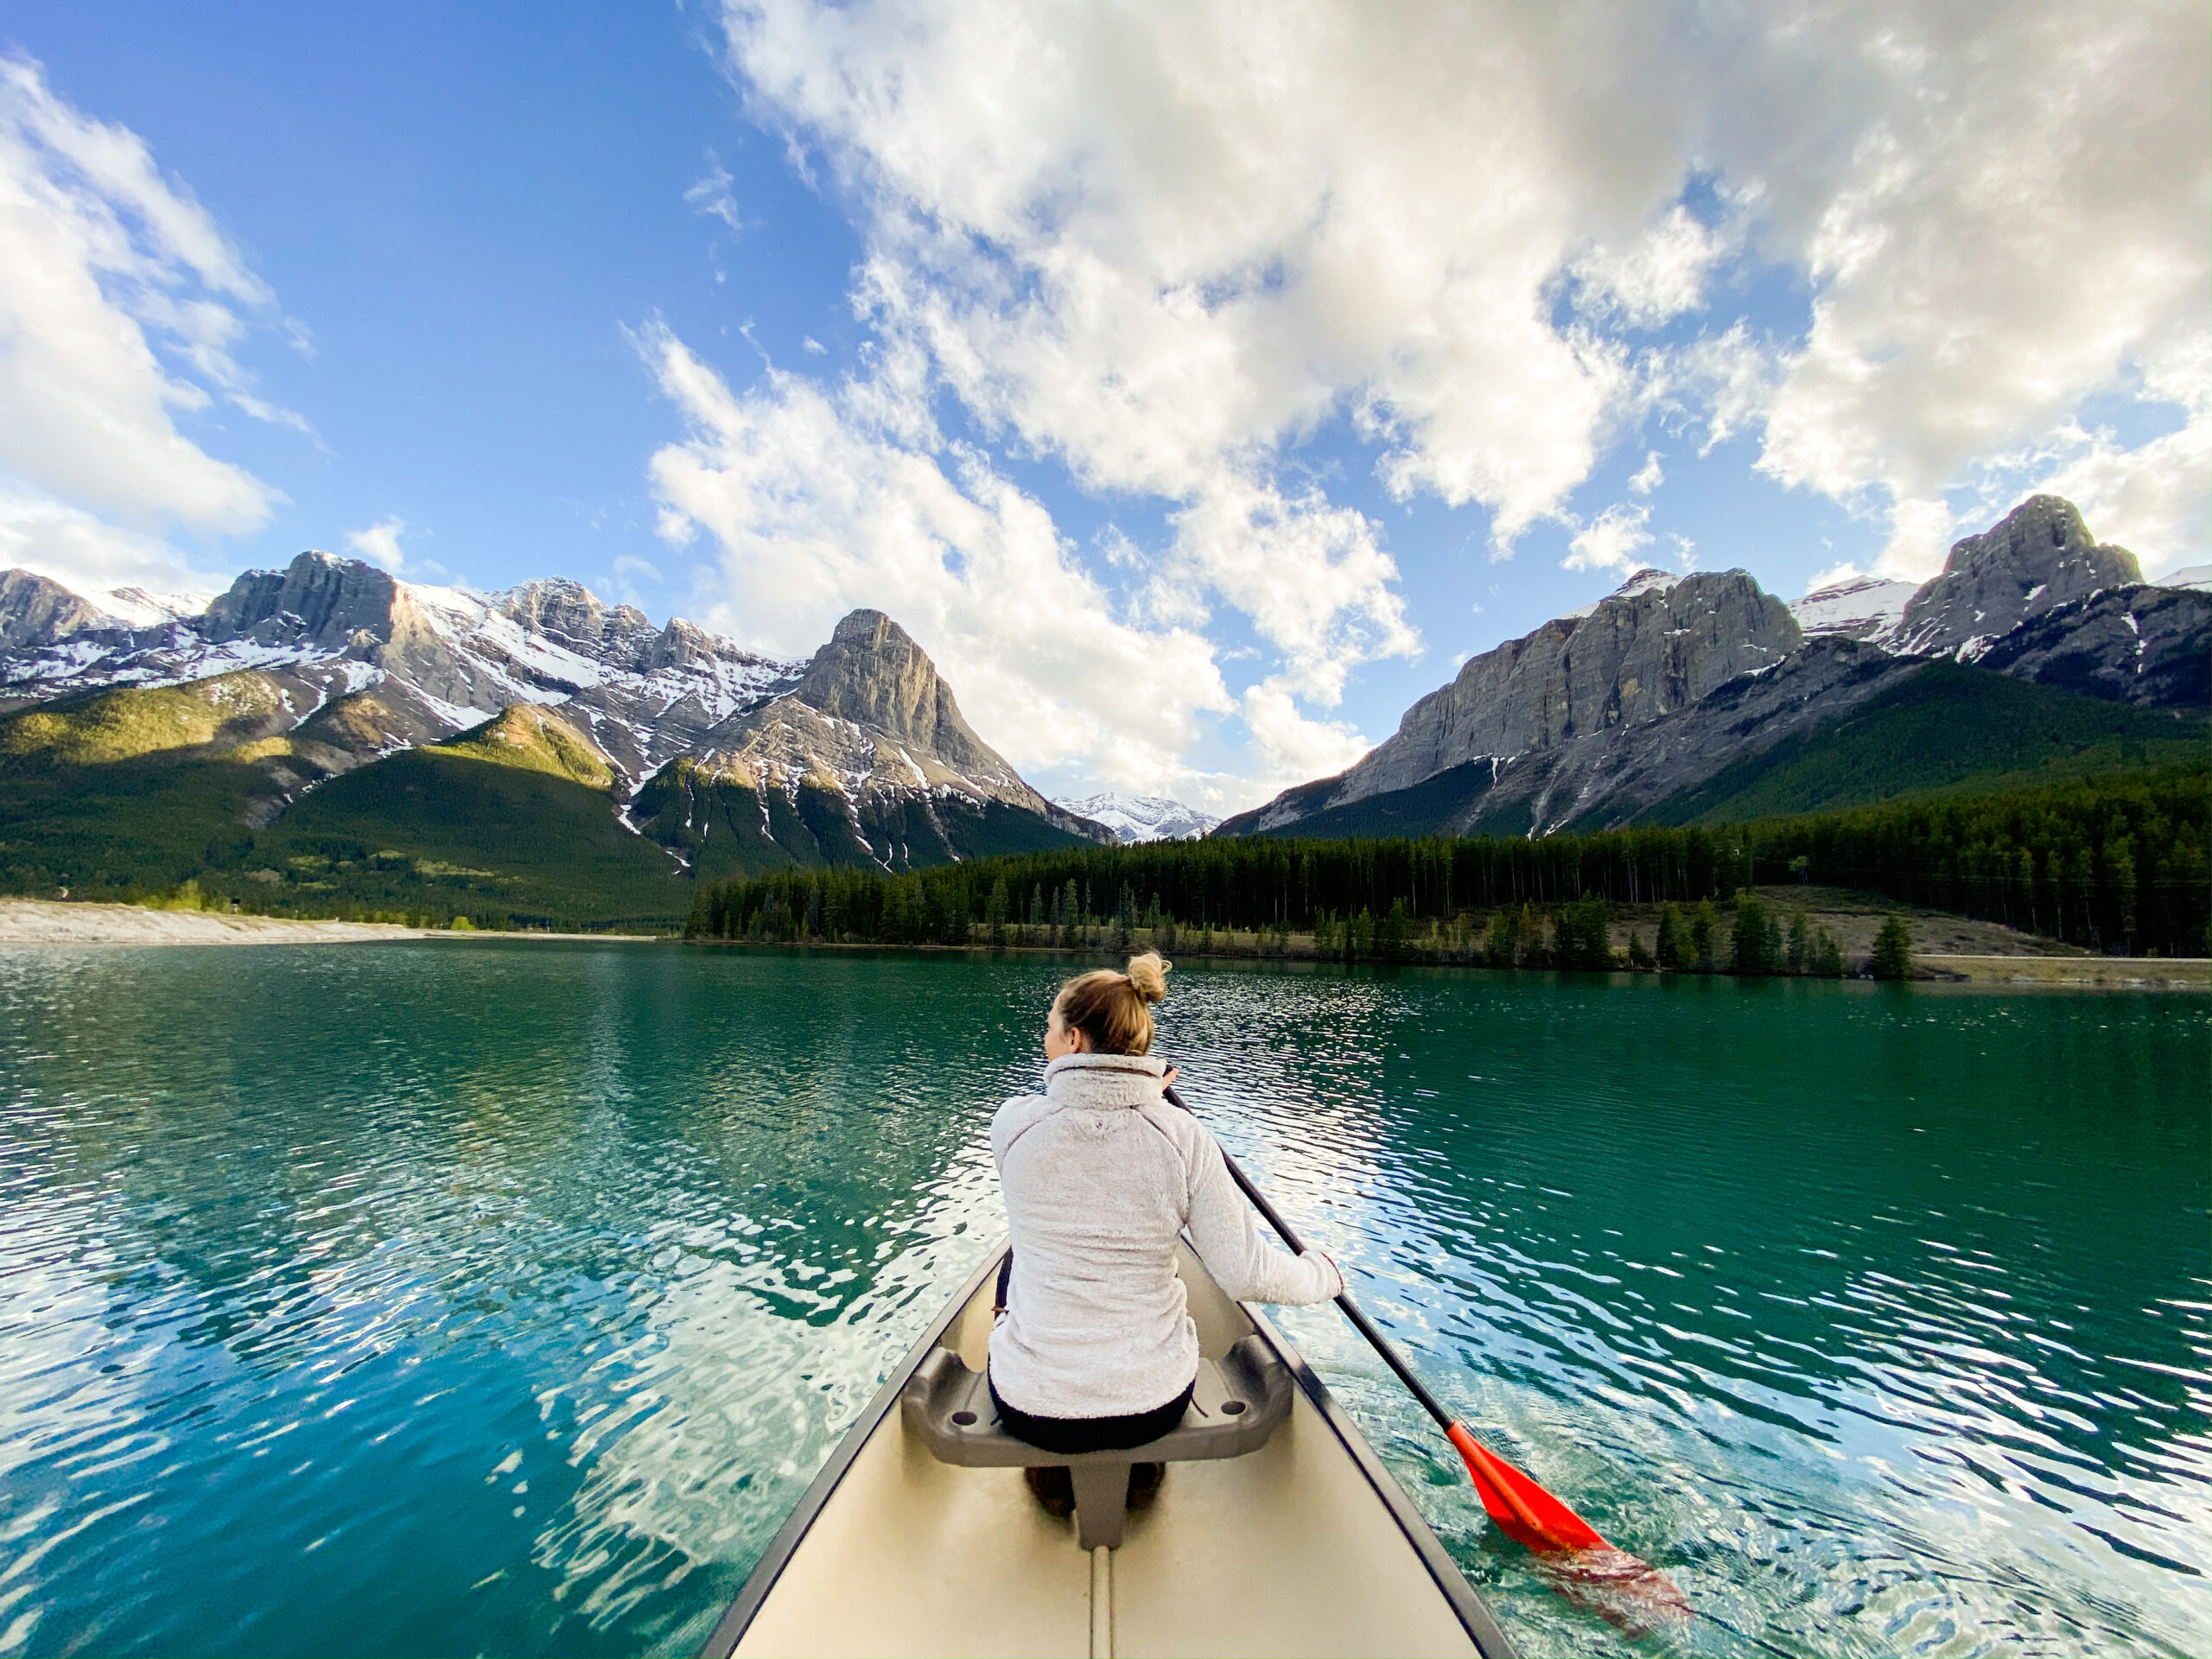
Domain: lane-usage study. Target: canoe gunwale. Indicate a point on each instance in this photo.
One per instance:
(1467, 1606)
(729, 1629)
(1472, 1612)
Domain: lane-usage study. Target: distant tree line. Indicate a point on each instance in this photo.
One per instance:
(2114, 864)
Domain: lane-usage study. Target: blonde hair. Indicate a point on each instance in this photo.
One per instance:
(1115, 1010)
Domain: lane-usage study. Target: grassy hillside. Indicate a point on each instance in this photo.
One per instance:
(446, 830)
(131, 723)
(1948, 728)
(131, 789)
(511, 820)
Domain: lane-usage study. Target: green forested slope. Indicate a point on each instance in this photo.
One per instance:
(133, 788)
(457, 830)
(722, 828)
(1948, 728)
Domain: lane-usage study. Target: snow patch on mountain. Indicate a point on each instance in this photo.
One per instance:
(1141, 817)
(1864, 607)
(1646, 581)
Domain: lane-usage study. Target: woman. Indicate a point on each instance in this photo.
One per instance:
(1094, 1350)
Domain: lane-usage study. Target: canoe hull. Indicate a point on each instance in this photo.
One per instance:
(1305, 1545)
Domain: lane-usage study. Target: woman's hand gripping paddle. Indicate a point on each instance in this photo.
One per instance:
(1584, 1567)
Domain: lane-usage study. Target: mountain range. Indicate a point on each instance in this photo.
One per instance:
(329, 728)
(330, 736)
(1135, 818)
(1701, 697)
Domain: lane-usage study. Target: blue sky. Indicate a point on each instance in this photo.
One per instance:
(1199, 384)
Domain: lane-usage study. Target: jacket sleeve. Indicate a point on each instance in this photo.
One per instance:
(1225, 1229)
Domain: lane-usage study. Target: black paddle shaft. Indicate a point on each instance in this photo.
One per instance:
(1360, 1322)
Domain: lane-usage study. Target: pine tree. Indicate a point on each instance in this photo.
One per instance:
(1705, 927)
(1747, 952)
(1668, 947)
(1501, 945)
(1639, 958)
(1533, 953)
(1827, 955)
(1893, 949)
(994, 910)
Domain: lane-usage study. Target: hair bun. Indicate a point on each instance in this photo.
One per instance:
(1149, 975)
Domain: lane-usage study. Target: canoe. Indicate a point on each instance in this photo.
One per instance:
(1289, 1537)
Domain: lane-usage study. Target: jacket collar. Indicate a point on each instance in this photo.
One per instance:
(1104, 1080)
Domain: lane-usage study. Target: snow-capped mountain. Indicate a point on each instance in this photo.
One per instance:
(426, 661)
(1610, 711)
(858, 756)
(1141, 817)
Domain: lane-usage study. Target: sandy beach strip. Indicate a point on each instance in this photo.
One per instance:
(40, 921)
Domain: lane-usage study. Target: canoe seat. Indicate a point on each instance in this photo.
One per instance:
(1238, 1402)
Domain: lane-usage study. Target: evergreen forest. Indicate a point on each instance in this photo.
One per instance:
(2117, 864)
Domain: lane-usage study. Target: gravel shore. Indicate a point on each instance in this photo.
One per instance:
(38, 921)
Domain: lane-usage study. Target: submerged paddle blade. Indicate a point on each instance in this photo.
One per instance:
(1524, 1511)
(1575, 1555)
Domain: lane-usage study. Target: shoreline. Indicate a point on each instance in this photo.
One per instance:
(47, 921)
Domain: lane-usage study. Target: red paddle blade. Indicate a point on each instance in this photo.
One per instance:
(1524, 1511)
(1575, 1553)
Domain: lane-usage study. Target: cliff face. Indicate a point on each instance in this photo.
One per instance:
(1658, 644)
(36, 613)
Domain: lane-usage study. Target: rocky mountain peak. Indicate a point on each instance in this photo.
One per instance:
(317, 600)
(2040, 556)
(35, 612)
(873, 674)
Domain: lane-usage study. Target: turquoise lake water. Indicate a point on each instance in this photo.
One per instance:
(502, 1297)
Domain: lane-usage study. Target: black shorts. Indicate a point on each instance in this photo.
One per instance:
(1068, 1436)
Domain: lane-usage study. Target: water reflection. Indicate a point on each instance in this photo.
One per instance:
(505, 1297)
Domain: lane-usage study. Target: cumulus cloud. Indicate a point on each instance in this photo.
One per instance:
(1610, 541)
(121, 305)
(820, 500)
(1165, 247)
(379, 544)
(2020, 223)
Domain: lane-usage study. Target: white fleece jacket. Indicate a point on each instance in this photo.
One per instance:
(1101, 1175)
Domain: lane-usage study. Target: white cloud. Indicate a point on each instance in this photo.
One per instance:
(379, 544)
(89, 556)
(121, 305)
(819, 501)
(1163, 246)
(1291, 746)
(1986, 256)
(1159, 243)
(1311, 577)
(711, 197)
(1610, 541)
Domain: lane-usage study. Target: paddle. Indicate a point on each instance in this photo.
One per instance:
(1522, 1510)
